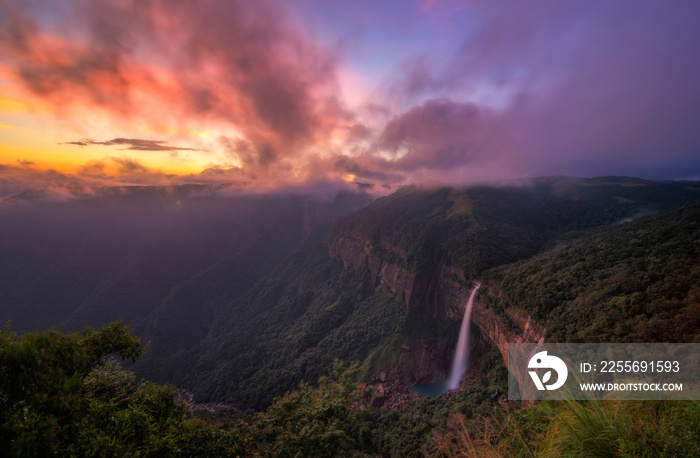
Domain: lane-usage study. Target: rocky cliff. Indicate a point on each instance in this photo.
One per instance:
(442, 292)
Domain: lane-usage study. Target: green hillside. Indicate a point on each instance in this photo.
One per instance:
(634, 282)
(482, 227)
(559, 250)
(310, 310)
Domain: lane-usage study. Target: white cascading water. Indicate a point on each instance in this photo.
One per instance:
(461, 361)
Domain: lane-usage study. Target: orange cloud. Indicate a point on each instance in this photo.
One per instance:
(155, 62)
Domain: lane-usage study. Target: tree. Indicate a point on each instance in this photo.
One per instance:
(61, 394)
(310, 421)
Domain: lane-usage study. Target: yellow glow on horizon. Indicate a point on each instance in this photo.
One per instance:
(23, 139)
(70, 160)
(34, 134)
(42, 158)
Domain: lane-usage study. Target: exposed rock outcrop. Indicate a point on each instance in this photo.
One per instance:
(493, 328)
(422, 363)
(388, 393)
(187, 397)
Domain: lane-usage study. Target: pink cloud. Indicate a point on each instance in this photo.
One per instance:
(535, 88)
(156, 61)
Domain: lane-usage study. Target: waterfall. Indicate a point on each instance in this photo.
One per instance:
(461, 361)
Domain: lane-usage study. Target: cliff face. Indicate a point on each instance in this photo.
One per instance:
(491, 326)
(357, 252)
(424, 362)
(443, 292)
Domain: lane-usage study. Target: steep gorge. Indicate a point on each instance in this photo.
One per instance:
(438, 293)
(428, 247)
(389, 285)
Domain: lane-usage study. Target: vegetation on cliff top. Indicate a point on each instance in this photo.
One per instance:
(61, 395)
(633, 282)
(478, 228)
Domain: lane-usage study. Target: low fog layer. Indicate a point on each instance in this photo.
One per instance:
(161, 258)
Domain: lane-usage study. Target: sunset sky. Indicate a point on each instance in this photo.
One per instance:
(292, 94)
